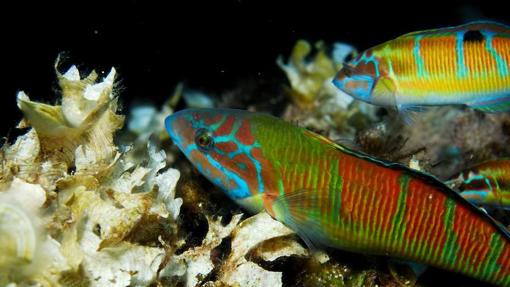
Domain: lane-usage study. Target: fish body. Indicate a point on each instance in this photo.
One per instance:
(462, 65)
(333, 196)
(487, 183)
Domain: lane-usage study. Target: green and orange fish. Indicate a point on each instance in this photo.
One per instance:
(335, 197)
(486, 184)
(464, 65)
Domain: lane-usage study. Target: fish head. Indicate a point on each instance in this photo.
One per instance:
(220, 144)
(363, 79)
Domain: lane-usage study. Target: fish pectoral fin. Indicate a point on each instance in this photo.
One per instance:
(409, 112)
(385, 92)
(414, 109)
(302, 212)
(254, 204)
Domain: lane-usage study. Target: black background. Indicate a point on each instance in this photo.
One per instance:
(210, 45)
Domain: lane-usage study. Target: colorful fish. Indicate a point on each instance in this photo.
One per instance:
(464, 65)
(333, 196)
(486, 184)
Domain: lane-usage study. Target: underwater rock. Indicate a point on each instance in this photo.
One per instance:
(257, 236)
(254, 233)
(197, 260)
(444, 140)
(343, 273)
(328, 274)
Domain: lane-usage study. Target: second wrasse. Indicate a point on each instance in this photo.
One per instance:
(464, 65)
(333, 196)
(487, 183)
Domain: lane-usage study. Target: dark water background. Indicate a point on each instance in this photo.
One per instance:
(210, 45)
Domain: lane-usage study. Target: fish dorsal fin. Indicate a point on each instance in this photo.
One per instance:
(320, 138)
(438, 31)
(471, 26)
(359, 154)
(485, 25)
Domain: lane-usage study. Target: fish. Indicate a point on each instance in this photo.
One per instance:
(486, 184)
(465, 65)
(335, 197)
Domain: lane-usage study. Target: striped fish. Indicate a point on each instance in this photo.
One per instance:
(487, 184)
(463, 65)
(333, 196)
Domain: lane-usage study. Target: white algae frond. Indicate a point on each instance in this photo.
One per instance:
(250, 237)
(317, 103)
(70, 201)
(78, 210)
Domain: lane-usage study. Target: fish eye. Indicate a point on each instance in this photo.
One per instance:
(204, 139)
(349, 57)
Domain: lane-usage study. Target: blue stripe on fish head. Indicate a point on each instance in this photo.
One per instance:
(358, 86)
(358, 77)
(218, 143)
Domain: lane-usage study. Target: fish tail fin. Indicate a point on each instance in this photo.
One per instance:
(497, 105)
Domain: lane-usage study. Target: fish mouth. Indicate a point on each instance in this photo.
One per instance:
(337, 83)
